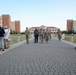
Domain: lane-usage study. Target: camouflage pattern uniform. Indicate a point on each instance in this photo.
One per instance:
(59, 34)
(49, 34)
(27, 33)
(46, 35)
(41, 35)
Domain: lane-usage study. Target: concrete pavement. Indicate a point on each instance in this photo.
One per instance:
(52, 58)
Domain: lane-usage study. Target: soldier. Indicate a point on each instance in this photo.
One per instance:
(36, 34)
(27, 33)
(59, 34)
(41, 35)
(49, 34)
(46, 35)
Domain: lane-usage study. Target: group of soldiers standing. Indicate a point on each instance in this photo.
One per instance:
(43, 34)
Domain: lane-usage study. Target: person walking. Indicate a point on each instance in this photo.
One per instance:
(27, 33)
(46, 35)
(49, 34)
(2, 32)
(36, 34)
(41, 35)
(59, 34)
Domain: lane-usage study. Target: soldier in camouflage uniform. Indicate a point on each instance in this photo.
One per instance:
(41, 35)
(59, 34)
(49, 34)
(27, 33)
(46, 35)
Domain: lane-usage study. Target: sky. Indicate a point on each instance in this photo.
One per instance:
(33, 13)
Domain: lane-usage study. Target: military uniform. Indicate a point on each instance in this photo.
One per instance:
(59, 35)
(46, 35)
(41, 35)
(49, 34)
(27, 36)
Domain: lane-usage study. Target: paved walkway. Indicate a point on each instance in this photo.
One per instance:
(52, 58)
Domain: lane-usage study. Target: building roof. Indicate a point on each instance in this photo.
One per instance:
(33, 27)
(52, 27)
(46, 27)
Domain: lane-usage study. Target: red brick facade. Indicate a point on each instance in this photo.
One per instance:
(17, 26)
(6, 20)
(69, 25)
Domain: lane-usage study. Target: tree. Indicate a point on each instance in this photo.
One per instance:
(22, 33)
(70, 32)
(64, 32)
(10, 31)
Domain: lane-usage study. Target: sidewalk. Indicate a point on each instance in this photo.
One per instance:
(14, 45)
(52, 58)
(20, 43)
(67, 42)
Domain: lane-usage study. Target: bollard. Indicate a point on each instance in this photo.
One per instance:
(63, 36)
(18, 38)
(72, 37)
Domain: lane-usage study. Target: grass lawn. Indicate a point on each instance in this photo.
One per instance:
(68, 37)
(15, 38)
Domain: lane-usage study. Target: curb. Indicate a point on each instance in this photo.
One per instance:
(67, 42)
(14, 46)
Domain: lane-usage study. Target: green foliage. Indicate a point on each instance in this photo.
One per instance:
(70, 32)
(11, 32)
(64, 32)
(22, 33)
(14, 32)
(14, 38)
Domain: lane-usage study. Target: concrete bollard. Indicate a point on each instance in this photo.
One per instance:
(72, 37)
(18, 38)
(63, 36)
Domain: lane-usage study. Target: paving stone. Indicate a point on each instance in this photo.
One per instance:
(52, 58)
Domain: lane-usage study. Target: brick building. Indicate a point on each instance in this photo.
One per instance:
(6, 19)
(69, 25)
(32, 29)
(1, 21)
(17, 26)
(12, 25)
(54, 30)
(74, 24)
